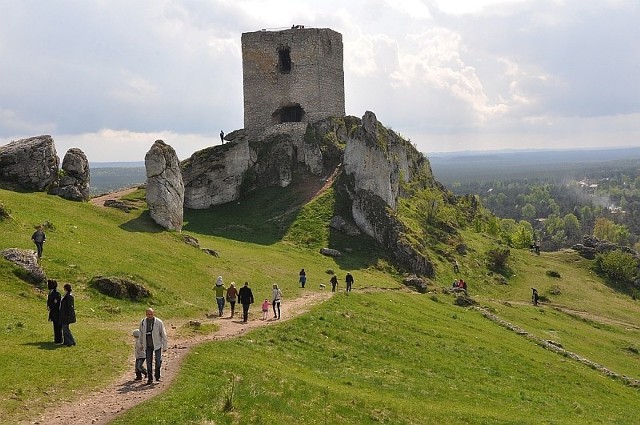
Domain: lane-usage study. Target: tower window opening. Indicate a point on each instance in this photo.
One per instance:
(291, 113)
(284, 60)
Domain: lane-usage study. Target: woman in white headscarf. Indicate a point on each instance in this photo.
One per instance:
(220, 291)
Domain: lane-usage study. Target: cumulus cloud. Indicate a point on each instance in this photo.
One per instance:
(465, 74)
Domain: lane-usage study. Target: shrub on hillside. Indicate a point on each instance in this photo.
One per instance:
(498, 258)
(4, 212)
(617, 265)
(552, 273)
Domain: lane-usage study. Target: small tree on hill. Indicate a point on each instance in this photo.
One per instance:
(618, 265)
(497, 259)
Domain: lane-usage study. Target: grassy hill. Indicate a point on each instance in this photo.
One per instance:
(382, 354)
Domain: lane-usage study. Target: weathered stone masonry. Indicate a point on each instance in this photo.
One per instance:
(294, 75)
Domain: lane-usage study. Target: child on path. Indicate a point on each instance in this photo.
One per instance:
(265, 309)
(141, 356)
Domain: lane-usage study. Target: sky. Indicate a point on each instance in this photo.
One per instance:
(112, 76)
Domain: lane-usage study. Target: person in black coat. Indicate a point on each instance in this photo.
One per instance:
(245, 296)
(53, 304)
(67, 315)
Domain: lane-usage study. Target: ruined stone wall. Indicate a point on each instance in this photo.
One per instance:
(314, 82)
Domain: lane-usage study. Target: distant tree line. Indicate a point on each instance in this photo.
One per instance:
(560, 211)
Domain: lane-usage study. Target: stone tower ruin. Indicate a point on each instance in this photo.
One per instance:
(293, 75)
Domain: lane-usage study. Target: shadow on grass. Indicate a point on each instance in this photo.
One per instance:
(142, 224)
(262, 218)
(44, 345)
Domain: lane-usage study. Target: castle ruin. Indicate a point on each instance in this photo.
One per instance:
(289, 76)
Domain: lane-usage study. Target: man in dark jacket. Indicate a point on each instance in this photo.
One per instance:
(53, 304)
(67, 315)
(39, 239)
(245, 296)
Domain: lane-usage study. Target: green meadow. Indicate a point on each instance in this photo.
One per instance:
(381, 354)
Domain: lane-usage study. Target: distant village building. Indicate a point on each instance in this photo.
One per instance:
(291, 76)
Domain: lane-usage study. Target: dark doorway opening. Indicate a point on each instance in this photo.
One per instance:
(291, 113)
(284, 60)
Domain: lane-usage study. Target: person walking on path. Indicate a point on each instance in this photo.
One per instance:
(349, 281)
(67, 316)
(53, 304)
(276, 296)
(140, 354)
(534, 296)
(39, 238)
(334, 282)
(222, 137)
(245, 297)
(232, 297)
(154, 341)
(220, 290)
(303, 278)
(265, 308)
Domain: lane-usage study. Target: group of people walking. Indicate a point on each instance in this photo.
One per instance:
(243, 296)
(348, 279)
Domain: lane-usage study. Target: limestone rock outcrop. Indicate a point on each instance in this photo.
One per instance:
(375, 161)
(165, 188)
(120, 288)
(27, 261)
(220, 174)
(214, 175)
(74, 183)
(30, 164)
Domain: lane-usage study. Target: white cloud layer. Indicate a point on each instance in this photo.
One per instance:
(112, 76)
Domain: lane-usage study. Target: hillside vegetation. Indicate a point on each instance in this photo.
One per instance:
(381, 354)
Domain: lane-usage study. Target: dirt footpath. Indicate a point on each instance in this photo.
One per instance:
(103, 406)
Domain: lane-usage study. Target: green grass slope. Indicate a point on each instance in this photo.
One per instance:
(381, 354)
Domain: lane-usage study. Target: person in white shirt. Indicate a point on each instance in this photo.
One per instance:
(154, 340)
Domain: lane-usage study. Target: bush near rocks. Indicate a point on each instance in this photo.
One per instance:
(120, 288)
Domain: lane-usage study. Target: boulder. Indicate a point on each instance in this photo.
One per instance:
(165, 188)
(120, 205)
(463, 300)
(340, 224)
(27, 261)
(30, 164)
(120, 288)
(75, 181)
(416, 283)
(190, 240)
(214, 175)
(329, 252)
(211, 252)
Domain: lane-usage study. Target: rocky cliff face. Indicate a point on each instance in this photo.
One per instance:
(220, 174)
(31, 163)
(165, 188)
(376, 162)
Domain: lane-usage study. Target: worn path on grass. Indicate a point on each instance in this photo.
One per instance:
(103, 406)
